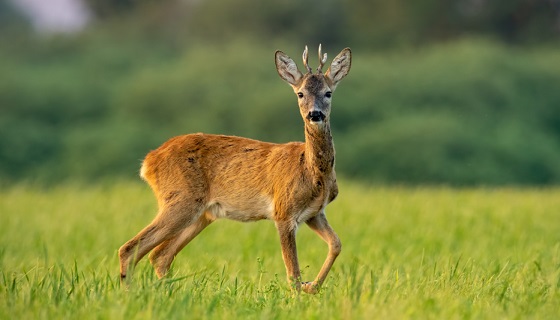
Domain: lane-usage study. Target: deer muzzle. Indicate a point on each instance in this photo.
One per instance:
(316, 116)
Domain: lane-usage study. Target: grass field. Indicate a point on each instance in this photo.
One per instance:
(437, 253)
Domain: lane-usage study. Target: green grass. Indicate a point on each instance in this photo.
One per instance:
(436, 253)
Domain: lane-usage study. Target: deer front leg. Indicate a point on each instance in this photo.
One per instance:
(321, 226)
(287, 232)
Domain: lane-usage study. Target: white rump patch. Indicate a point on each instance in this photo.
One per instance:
(143, 171)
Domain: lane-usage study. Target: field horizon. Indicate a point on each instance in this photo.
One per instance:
(408, 252)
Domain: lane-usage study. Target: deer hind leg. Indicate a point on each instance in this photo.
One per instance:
(321, 226)
(162, 256)
(168, 224)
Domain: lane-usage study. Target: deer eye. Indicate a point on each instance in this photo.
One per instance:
(299, 94)
(328, 94)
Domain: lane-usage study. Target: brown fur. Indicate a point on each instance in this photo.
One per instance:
(198, 178)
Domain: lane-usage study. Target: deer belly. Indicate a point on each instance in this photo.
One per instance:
(254, 209)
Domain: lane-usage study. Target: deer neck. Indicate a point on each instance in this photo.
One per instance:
(319, 149)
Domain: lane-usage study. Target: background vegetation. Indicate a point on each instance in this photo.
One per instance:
(442, 92)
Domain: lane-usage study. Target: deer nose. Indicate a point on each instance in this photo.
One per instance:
(316, 116)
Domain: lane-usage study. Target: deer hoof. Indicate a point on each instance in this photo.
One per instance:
(310, 287)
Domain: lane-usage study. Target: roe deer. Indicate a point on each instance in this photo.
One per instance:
(198, 178)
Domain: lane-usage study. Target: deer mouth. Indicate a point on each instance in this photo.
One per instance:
(316, 116)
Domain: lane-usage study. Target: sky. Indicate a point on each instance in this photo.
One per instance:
(55, 16)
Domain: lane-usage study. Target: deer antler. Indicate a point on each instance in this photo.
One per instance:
(305, 59)
(322, 60)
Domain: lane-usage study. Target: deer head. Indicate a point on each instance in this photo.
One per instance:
(314, 90)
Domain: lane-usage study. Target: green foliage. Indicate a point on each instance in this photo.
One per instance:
(372, 24)
(304, 19)
(423, 253)
(464, 113)
(470, 112)
(400, 22)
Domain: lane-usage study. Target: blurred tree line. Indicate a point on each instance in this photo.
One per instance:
(373, 24)
(461, 92)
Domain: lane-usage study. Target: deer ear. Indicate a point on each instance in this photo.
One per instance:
(287, 68)
(339, 68)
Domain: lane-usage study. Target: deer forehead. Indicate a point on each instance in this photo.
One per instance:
(314, 83)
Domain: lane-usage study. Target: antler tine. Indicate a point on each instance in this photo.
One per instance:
(305, 60)
(322, 60)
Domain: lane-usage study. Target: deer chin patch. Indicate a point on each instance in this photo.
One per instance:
(318, 123)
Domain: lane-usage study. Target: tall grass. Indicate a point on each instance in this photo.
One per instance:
(407, 253)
